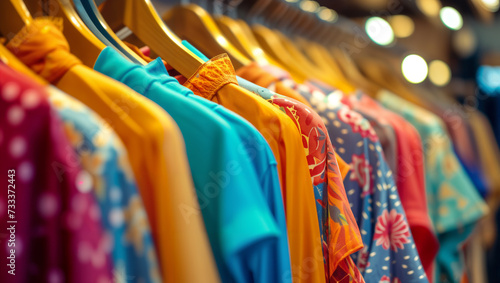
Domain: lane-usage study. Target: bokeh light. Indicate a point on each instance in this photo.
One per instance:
(309, 6)
(491, 5)
(451, 18)
(402, 25)
(379, 31)
(328, 15)
(414, 68)
(464, 42)
(439, 73)
(429, 8)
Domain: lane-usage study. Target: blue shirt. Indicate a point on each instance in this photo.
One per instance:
(242, 227)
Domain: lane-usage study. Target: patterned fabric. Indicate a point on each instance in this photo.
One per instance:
(276, 258)
(285, 142)
(339, 231)
(50, 219)
(207, 79)
(103, 155)
(154, 144)
(389, 251)
(409, 177)
(454, 204)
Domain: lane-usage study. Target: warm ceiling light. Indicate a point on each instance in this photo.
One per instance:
(439, 73)
(379, 31)
(451, 18)
(328, 15)
(491, 5)
(309, 6)
(464, 42)
(402, 25)
(429, 7)
(414, 68)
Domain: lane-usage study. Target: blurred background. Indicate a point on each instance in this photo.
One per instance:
(457, 43)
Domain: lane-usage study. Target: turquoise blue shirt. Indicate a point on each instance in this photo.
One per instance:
(104, 156)
(243, 226)
(257, 152)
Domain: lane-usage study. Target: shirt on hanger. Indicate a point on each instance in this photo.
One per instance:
(256, 77)
(371, 192)
(410, 181)
(460, 133)
(102, 154)
(321, 159)
(335, 215)
(48, 209)
(240, 208)
(216, 81)
(489, 156)
(454, 204)
(153, 142)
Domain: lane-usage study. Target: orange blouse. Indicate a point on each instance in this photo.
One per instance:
(216, 81)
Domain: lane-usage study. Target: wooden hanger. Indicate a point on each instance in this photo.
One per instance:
(194, 24)
(272, 45)
(351, 70)
(90, 15)
(315, 70)
(141, 18)
(321, 57)
(258, 8)
(233, 32)
(11, 60)
(247, 32)
(20, 17)
(13, 17)
(83, 43)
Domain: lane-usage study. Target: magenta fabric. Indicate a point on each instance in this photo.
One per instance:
(57, 235)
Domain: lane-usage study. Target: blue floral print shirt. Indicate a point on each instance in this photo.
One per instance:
(103, 155)
(389, 253)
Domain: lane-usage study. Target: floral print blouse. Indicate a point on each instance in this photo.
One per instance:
(389, 252)
(339, 232)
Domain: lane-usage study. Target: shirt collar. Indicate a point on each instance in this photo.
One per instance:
(212, 76)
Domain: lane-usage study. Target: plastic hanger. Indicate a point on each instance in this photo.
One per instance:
(193, 23)
(232, 32)
(141, 18)
(93, 19)
(13, 17)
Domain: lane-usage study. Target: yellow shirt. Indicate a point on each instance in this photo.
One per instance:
(216, 81)
(152, 139)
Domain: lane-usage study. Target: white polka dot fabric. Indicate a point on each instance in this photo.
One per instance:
(48, 203)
